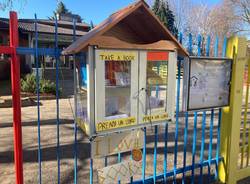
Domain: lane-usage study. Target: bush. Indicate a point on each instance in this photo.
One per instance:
(46, 86)
(28, 84)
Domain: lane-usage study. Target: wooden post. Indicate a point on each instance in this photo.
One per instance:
(231, 116)
(15, 83)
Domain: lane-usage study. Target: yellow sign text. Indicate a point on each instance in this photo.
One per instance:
(155, 117)
(115, 123)
(117, 56)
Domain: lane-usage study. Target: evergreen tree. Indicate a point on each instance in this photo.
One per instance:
(61, 9)
(156, 7)
(92, 25)
(162, 11)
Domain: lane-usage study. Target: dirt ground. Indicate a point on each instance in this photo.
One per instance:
(49, 146)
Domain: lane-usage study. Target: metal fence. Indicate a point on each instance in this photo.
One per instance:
(186, 151)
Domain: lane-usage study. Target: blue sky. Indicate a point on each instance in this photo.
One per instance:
(95, 10)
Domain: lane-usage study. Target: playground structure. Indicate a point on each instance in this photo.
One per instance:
(229, 125)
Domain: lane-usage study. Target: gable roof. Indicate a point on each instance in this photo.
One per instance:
(47, 26)
(136, 19)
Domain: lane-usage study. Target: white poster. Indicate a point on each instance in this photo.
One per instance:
(209, 83)
(117, 143)
(122, 171)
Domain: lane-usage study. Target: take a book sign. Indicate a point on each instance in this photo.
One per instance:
(117, 56)
(117, 143)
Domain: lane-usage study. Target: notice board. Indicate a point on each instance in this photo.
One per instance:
(207, 83)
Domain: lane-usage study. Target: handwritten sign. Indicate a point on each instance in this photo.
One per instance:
(155, 117)
(117, 143)
(117, 56)
(122, 171)
(115, 123)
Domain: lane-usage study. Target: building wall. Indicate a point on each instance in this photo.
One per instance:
(4, 37)
(48, 41)
(27, 40)
(5, 60)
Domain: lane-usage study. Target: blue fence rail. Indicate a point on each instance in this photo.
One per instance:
(187, 132)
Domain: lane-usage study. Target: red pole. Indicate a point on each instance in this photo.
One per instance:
(15, 83)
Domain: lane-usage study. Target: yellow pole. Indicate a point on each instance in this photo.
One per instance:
(244, 136)
(231, 116)
(248, 155)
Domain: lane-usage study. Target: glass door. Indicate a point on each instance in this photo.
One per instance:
(116, 83)
(156, 76)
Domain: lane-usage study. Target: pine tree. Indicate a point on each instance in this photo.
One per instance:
(61, 9)
(162, 11)
(156, 7)
(92, 25)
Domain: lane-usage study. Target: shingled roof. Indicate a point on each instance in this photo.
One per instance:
(135, 24)
(47, 26)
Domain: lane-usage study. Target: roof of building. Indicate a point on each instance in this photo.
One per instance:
(135, 24)
(47, 26)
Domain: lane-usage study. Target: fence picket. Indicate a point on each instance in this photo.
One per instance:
(75, 109)
(144, 156)
(165, 164)
(216, 45)
(57, 104)
(155, 152)
(185, 129)
(38, 103)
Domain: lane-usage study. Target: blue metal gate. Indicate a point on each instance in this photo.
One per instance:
(187, 151)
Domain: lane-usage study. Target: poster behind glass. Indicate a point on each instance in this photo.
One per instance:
(209, 83)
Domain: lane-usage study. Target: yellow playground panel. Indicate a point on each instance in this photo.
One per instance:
(235, 127)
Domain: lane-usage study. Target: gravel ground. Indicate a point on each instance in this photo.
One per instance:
(48, 142)
(49, 146)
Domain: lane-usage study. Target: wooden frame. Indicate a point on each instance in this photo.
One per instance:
(91, 89)
(96, 93)
(168, 108)
(100, 87)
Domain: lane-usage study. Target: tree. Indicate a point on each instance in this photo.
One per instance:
(218, 20)
(5, 4)
(92, 25)
(163, 12)
(61, 9)
(181, 10)
(9, 4)
(214, 21)
(241, 9)
(156, 7)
